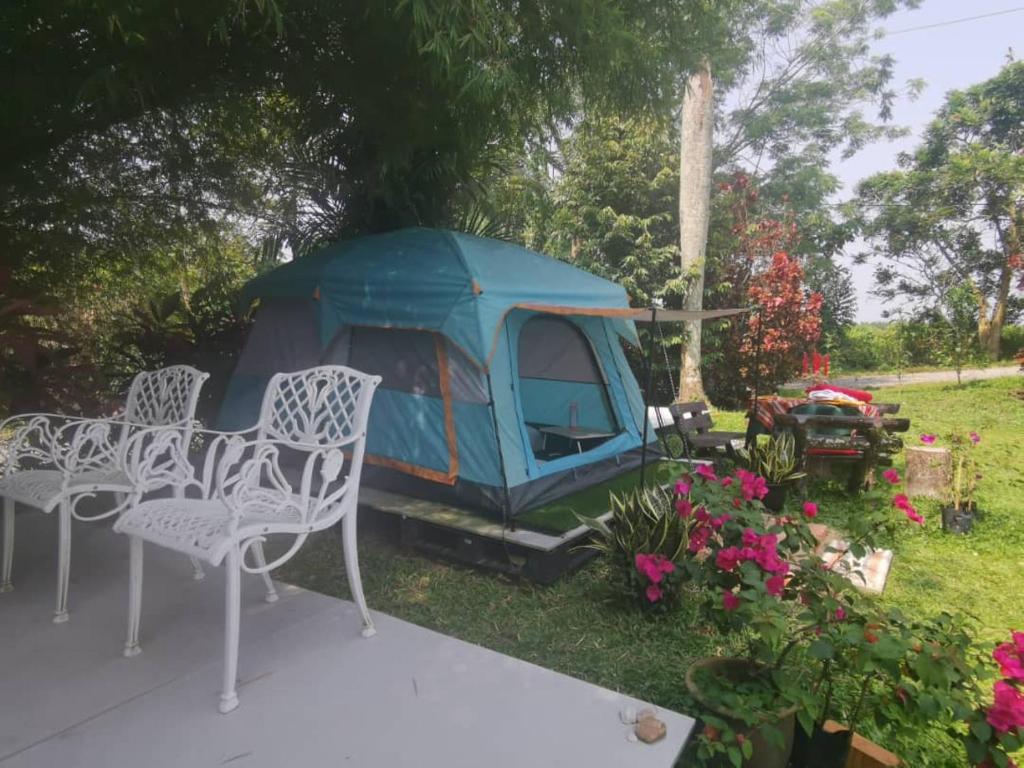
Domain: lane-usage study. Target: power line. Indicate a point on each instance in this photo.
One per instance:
(953, 21)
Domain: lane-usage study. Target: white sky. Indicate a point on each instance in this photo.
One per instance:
(946, 58)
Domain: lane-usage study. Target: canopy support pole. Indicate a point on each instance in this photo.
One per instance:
(649, 358)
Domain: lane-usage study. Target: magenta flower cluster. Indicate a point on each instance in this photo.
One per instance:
(1006, 715)
(760, 549)
(900, 500)
(654, 568)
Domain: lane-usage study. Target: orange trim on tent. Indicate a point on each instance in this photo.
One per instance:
(446, 396)
(444, 380)
(555, 309)
(412, 469)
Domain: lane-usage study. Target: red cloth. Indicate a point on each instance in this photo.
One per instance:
(857, 394)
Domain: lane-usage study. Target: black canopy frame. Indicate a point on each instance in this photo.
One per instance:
(653, 315)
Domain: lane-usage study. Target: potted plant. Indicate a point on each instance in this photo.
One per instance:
(774, 458)
(960, 509)
(765, 577)
(958, 515)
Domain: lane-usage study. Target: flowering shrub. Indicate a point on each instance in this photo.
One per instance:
(645, 539)
(997, 729)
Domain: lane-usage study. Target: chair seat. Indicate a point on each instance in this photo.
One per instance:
(202, 528)
(41, 488)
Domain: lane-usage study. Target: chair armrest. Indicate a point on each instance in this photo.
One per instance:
(247, 477)
(33, 438)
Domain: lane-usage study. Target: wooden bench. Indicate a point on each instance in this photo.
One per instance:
(696, 430)
(825, 443)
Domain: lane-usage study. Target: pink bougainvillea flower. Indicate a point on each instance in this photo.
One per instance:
(727, 559)
(726, 482)
(840, 613)
(684, 508)
(774, 585)
(770, 562)
(702, 514)
(810, 509)
(1007, 711)
(927, 439)
(975, 438)
(653, 593)
(718, 522)
(683, 486)
(699, 539)
(707, 472)
(654, 567)
(1010, 657)
(913, 515)
(892, 476)
(737, 502)
(900, 501)
(730, 601)
(750, 538)
(769, 541)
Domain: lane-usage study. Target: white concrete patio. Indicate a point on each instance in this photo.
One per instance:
(313, 692)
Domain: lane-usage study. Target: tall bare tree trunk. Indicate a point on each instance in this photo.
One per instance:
(695, 141)
(990, 327)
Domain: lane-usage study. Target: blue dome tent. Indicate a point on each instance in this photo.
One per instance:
(505, 382)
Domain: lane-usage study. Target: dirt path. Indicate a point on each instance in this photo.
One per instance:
(924, 377)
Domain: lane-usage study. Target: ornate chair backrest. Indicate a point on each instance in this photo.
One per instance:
(165, 397)
(319, 407)
(322, 411)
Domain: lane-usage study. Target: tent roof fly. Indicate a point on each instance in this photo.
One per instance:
(453, 283)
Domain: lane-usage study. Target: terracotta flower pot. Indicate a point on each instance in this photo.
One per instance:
(766, 753)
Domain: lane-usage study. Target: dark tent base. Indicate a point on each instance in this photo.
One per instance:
(457, 535)
(490, 501)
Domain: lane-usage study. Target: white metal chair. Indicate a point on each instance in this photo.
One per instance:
(283, 480)
(54, 461)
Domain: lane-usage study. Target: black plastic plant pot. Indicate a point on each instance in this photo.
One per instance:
(776, 497)
(821, 749)
(766, 754)
(958, 521)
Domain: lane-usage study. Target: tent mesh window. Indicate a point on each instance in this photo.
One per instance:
(407, 360)
(561, 383)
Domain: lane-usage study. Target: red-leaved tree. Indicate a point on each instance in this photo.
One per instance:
(786, 323)
(750, 266)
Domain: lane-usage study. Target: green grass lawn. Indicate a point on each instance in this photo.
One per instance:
(579, 627)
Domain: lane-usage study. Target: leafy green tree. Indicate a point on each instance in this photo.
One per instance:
(794, 84)
(614, 206)
(953, 213)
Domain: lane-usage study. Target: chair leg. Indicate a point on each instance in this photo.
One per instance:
(131, 645)
(198, 574)
(261, 562)
(355, 583)
(232, 609)
(60, 614)
(8, 562)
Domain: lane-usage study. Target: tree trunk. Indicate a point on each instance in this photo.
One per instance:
(695, 140)
(994, 332)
